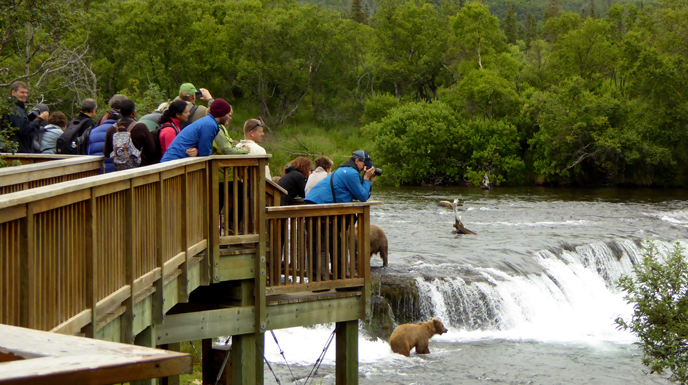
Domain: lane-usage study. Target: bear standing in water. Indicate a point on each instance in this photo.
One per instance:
(409, 336)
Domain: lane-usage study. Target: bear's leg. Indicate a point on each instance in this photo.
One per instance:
(422, 347)
(383, 254)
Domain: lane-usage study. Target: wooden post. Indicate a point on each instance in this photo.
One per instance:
(91, 264)
(261, 273)
(347, 353)
(183, 279)
(127, 325)
(27, 285)
(246, 357)
(214, 235)
(171, 380)
(146, 338)
(158, 307)
(365, 261)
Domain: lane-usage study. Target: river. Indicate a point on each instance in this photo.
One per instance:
(530, 300)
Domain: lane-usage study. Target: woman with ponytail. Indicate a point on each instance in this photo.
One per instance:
(176, 113)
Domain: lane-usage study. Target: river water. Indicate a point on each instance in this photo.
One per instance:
(530, 300)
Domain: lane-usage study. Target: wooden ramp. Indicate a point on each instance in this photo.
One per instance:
(35, 357)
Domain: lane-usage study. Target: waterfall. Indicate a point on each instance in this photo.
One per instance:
(576, 295)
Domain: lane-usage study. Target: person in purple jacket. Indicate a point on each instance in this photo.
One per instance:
(201, 133)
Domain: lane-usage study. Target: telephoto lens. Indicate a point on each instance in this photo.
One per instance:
(378, 171)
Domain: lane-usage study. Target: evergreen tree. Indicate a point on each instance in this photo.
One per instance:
(511, 26)
(592, 9)
(531, 29)
(553, 10)
(357, 13)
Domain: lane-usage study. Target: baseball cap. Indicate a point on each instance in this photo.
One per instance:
(362, 155)
(187, 89)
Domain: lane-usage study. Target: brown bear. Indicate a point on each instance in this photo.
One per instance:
(409, 336)
(378, 243)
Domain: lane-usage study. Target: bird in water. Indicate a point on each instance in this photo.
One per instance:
(458, 225)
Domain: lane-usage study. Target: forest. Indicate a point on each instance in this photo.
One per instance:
(443, 93)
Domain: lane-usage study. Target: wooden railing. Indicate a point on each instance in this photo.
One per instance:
(84, 252)
(318, 247)
(43, 171)
(35, 158)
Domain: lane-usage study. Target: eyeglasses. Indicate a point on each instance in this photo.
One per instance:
(257, 125)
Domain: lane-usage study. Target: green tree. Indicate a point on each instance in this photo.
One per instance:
(357, 12)
(660, 311)
(511, 26)
(409, 47)
(477, 32)
(531, 29)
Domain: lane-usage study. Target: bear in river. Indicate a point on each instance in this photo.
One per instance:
(409, 336)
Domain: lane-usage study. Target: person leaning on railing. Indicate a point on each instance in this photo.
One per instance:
(224, 145)
(200, 134)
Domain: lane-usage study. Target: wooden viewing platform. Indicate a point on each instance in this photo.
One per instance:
(144, 256)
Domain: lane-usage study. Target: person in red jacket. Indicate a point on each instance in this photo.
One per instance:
(176, 114)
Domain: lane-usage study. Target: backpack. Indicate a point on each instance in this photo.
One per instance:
(37, 139)
(156, 138)
(192, 111)
(75, 137)
(124, 154)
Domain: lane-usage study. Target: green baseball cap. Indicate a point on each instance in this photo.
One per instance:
(187, 89)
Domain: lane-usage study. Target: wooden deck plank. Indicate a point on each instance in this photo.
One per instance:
(60, 359)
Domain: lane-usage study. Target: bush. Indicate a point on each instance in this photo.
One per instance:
(428, 143)
(377, 107)
(660, 311)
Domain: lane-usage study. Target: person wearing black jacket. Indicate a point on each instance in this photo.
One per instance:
(294, 179)
(24, 130)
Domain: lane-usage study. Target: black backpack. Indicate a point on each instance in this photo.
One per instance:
(156, 139)
(74, 140)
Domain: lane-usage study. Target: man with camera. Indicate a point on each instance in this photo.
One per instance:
(342, 186)
(346, 184)
(17, 119)
(189, 94)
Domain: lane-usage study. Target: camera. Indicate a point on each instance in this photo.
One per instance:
(378, 171)
(198, 94)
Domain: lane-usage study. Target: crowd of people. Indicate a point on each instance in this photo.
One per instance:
(181, 129)
(176, 130)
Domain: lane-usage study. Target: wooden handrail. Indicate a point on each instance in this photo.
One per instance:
(28, 176)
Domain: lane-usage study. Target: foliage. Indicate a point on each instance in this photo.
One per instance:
(660, 311)
(593, 100)
(377, 107)
(428, 143)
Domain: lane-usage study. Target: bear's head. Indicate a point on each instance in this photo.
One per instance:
(439, 326)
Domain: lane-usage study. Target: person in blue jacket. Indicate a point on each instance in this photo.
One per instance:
(201, 133)
(96, 139)
(346, 182)
(342, 186)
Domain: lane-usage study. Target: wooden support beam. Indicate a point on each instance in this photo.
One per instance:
(346, 370)
(145, 338)
(247, 359)
(214, 235)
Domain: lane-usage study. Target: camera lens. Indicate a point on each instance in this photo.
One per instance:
(378, 171)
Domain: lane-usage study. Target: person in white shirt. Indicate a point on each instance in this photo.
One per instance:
(323, 167)
(253, 134)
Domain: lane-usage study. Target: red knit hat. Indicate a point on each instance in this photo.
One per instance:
(219, 108)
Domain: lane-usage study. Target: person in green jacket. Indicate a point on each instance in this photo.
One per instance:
(224, 145)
